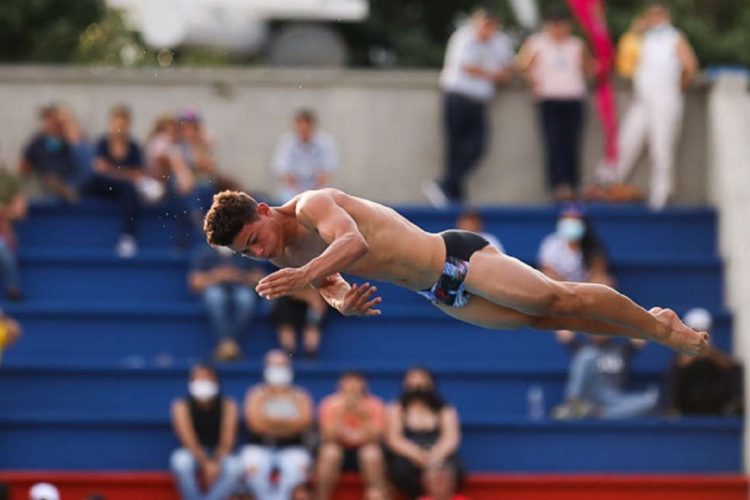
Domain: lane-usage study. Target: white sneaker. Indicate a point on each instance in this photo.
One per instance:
(126, 247)
(435, 194)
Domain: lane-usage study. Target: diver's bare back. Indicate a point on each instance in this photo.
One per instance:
(399, 251)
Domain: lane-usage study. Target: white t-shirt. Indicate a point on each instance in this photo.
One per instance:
(565, 261)
(465, 49)
(304, 161)
(659, 69)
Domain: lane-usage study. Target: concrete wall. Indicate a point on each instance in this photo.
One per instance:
(387, 124)
(729, 179)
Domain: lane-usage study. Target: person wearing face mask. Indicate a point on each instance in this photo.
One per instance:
(352, 426)
(226, 282)
(423, 436)
(573, 252)
(205, 423)
(57, 156)
(278, 415)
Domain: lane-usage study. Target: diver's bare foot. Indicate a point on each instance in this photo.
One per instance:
(681, 338)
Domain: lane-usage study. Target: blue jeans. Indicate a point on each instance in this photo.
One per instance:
(585, 384)
(9, 267)
(292, 463)
(230, 309)
(185, 469)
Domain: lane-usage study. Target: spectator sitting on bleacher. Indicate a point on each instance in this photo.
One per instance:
(165, 162)
(573, 252)
(278, 416)
(58, 155)
(13, 207)
(710, 384)
(10, 331)
(423, 436)
(226, 281)
(471, 220)
(597, 377)
(118, 170)
(305, 159)
(205, 423)
(352, 427)
(303, 311)
(196, 148)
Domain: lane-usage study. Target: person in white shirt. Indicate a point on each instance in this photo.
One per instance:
(304, 159)
(477, 58)
(667, 64)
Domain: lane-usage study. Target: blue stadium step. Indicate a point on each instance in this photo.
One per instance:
(489, 444)
(75, 331)
(109, 389)
(626, 230)
(96, 276)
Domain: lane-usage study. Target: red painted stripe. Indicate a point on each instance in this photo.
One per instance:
(159, 486)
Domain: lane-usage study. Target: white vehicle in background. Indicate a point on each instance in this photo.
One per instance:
(291, 32)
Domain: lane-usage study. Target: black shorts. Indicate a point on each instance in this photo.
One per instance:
(350, 463)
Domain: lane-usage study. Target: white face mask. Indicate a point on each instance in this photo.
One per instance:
(224, 251)
(571, 229)
(278, 375)
(203, 390)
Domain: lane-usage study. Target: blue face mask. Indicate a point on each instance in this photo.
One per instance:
(571, 229)
(53, 144)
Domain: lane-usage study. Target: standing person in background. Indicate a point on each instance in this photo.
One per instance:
(555, 64)
(629, 47)
(56, 154)
(304, 159)
(352, 426)
(478, 57)
(118, 167)
(592, 18)
(205, 422)
(226, 281)
(423, 436)
(278, 415)
(666, 66)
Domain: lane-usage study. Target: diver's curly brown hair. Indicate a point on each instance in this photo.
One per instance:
(229, 211)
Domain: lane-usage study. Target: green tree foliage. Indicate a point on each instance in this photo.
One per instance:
(404, 33)
(44, 30)
(415, 31)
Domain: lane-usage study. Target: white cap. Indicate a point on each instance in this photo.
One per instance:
(698, 319)
(43, 491)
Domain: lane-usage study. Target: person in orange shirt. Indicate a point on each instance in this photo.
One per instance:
(352, 426)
